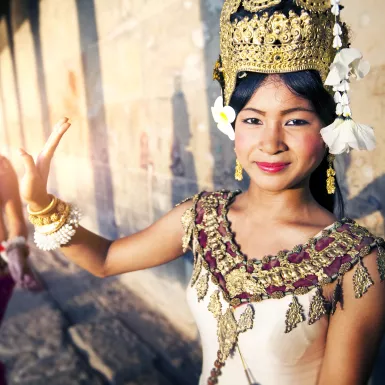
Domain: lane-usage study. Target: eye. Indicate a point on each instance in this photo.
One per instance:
(297, 122)
(252, 121)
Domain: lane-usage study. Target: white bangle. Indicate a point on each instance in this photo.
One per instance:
(61, 237)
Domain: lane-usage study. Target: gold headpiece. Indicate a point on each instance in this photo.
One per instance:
(276, 43)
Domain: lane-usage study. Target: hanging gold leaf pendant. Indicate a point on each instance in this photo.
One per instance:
(294, 315)
(361, 280)
(317, 308)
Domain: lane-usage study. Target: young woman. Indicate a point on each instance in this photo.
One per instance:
(14, 268)
(283, 291)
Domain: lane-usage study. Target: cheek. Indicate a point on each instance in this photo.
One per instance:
(244, 140)
(311, 146)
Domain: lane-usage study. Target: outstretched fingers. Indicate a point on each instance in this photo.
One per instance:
(29, 164)
(54, 139)
(43, 161)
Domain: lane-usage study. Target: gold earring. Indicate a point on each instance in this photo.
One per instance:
(238, 171)
(331, 173)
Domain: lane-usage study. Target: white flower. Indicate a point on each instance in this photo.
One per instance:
(348, 61)
(344, 134)
(224, 116)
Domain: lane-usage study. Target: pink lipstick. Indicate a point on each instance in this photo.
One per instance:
(272, 168)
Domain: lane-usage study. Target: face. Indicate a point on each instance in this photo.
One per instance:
(277, 137)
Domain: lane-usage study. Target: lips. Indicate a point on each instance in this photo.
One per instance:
(272, 167)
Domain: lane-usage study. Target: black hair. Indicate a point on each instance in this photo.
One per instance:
(308, 85)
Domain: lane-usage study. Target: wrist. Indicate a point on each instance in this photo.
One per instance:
(40, 204)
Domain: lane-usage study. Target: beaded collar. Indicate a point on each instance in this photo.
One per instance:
(323, 259)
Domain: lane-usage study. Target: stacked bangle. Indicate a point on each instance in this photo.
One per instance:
(55, 225)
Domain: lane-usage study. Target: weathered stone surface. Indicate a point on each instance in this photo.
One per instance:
(62, 368)
(84, 298)
(149, 379)
(112, 349)
(33, 344)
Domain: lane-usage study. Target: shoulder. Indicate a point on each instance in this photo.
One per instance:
(198, 203)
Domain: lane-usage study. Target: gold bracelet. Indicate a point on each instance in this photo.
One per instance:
(51, 228)
(46, 210)
(51, 217)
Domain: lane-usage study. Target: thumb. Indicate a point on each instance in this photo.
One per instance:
(29, 164)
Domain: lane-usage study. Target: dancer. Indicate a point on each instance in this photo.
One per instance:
(283, 291)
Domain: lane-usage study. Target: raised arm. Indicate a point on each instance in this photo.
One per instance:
(156, 245)
(10, 200)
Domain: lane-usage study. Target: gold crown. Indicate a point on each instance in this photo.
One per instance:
(276, 43)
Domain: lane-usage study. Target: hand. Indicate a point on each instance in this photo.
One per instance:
(33, 186)
(20, 269)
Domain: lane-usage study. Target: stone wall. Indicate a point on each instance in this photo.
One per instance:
(134, 76)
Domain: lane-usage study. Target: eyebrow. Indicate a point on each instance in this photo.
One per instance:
(282, 113)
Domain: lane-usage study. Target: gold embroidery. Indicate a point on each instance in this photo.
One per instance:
(246, 320)
(188, 220)
(239, 281)
(274, 43)
(252, 278)
(294, 315)
(215, 305)
(202, 286)
(197, 268)
(317, 308)
(314, 5)
(227, 333)
(259, 5)
(381, 262)
(361, 280)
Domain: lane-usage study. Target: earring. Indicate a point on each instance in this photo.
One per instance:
(331, 173)
(238, 171)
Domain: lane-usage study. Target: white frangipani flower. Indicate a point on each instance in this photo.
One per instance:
(224, 116)
(348, 61)
(345, 134)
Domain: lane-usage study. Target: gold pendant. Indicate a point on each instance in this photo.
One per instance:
(294, 315)
(227, 333)
(202, 286)
(361, 280)
(317, 308)
(331, 181)
(246, 320)
(381, 262)
(238, 171)
(215, 305)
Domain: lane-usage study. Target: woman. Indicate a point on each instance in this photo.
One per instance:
(14, 251)
(292, 316)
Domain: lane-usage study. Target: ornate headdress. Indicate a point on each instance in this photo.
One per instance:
(311, 36)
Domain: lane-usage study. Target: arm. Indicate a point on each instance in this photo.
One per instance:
(355, 332)
(11, 202)
(156, 245)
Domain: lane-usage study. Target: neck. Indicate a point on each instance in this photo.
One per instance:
(280, 206)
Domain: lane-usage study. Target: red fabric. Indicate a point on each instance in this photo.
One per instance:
(6, 288)
(2, 374)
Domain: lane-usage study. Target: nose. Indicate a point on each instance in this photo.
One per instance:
(272, 139)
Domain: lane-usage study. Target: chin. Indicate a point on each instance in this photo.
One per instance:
(277, 183)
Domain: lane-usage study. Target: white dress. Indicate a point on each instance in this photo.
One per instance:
(265, 322)
(272, 356)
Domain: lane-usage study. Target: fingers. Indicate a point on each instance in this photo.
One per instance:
(53, 141)
(43, 161)
(29, 164)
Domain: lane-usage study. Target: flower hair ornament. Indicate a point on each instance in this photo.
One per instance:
(313, 38)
